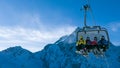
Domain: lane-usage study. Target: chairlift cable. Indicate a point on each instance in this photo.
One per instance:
(93, 18)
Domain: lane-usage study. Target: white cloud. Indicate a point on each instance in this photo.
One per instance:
(31, 39)
(28, 30)
(115, 26)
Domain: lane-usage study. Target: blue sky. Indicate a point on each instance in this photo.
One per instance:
(35, 23)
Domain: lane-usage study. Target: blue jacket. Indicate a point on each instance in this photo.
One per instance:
(103, 42)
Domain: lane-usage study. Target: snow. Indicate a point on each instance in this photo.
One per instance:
(61, 54)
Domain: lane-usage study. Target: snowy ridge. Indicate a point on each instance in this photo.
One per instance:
(61, 54)
(17, 57)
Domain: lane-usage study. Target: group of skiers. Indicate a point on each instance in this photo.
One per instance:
(88, 44)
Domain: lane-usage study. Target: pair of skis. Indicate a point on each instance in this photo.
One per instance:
(82, 52)
(95, 51)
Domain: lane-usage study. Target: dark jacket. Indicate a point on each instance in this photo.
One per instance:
(88, 42)
(103, 42)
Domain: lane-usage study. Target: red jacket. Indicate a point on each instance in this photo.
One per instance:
(94, 42)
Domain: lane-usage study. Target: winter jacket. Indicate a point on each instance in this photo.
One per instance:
(103, 42)
(81, 42)
(88, 42)
(94, 42)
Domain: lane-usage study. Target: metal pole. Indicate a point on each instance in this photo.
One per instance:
(85, 18)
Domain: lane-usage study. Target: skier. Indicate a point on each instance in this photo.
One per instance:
(94, 43)
(88, 41)
(95, 46)
(103, 43)
(80, 44)
(88, 44)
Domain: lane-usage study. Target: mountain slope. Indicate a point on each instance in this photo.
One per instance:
(64, 56)
(17, 57)
(61, 54)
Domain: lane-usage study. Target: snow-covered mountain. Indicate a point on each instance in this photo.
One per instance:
(17, 57)
(61, 54)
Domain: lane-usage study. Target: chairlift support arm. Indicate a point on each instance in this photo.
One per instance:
(86, 7)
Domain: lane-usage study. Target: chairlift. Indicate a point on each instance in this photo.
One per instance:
(92, 31)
